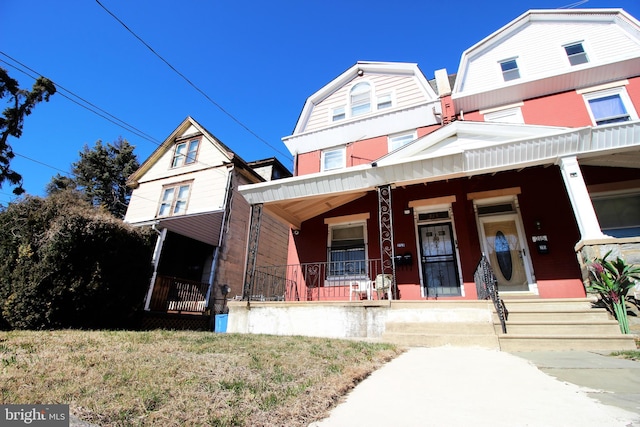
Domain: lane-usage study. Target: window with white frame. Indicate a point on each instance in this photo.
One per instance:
(174, 199)
(185, 153)
(398, 140)
(576, 53)
(509, 69)
(384, 101)
(338, 113)
(508, 115)
(347, 250)
(360, 98)
(610, 106)
(618, 213)
(334, 158)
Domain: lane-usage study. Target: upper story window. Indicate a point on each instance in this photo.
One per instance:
(384, 101)
(398, 140)
(174, 199)
(334, 158)
(338, 113)
(509, 69)
(576, 53)
(506, 115)
(610, 106)
(360, 98)
(185, 153)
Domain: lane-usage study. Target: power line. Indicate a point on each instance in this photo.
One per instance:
(190, 82)
(107, 116)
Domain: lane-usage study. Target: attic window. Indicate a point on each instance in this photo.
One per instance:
(576, 54)
(510, 69)
(185, 153)
(360, 99)
(338, 114)
(384, 101)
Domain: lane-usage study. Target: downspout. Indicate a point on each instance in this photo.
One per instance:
(155, 261)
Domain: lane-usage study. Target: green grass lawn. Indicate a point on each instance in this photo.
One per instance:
(176, 378)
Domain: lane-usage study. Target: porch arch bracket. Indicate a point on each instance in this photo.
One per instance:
(385, 219)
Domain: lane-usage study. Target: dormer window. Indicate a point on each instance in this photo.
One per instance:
(360, 99)
(384, 101)
(185, 153)
(338, 114)
(576, 53)
(509, 69)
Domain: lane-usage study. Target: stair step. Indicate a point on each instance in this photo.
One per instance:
(559, 315)
(606, 327)
(437, 340)
(611, 342)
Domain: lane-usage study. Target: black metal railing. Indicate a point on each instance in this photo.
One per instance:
(487, 288)
(313, 281)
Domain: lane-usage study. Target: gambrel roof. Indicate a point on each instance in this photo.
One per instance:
(536, 40)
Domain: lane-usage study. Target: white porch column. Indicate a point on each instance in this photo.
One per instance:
(580, 200)
(155, 261)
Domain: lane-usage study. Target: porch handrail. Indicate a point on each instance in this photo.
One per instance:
(487, 287)
(310, 281)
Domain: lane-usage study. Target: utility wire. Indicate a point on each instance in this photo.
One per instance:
(107, 116)
(190, 82)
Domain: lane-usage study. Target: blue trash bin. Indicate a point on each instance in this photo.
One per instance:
(220, 323)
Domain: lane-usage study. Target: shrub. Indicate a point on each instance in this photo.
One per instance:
(65, 264)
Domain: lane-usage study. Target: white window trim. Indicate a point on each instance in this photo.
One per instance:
(342, 280)
(333, 114)
(413, 133)
(372, 98)
(496, 116)
(618, 90)
(344, 158)
(586, 49)
(519, 68)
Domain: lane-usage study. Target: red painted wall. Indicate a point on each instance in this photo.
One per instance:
(358, 152)
(543, 198)
(562, 109)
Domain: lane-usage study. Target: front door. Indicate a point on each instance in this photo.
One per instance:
(503, 247)
(438, 257)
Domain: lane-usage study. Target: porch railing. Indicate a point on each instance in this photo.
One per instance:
(313, 281)
(171, 294)
(487, 287)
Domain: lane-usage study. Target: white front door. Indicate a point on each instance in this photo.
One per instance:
(504, 246)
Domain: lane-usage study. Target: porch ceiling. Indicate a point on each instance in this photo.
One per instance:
(203, 227)
(299, 198)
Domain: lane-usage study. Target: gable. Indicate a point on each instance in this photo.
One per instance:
(211, 153)
(610, 38)
(401, 83)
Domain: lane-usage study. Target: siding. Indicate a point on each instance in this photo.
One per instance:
(405, 90)
(539, 49)
(207, 194)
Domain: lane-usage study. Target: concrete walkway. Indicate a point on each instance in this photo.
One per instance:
(452, 386)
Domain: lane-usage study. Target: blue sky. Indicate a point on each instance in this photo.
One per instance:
(257, 60)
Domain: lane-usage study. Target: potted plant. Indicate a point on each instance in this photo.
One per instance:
(612, 281)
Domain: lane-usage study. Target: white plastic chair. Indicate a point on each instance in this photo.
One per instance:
(382, 285)
(359, 288)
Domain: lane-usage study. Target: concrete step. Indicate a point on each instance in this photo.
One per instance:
(558, 304)
(593, 314)
(425, 340)
(548, 327)
(433, 334)
(613, 342)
